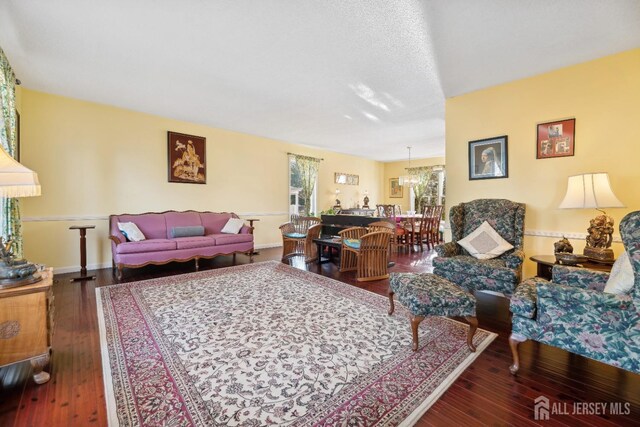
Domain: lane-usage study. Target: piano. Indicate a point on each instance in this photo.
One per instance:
(332, 224)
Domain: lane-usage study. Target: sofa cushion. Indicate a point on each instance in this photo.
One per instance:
(188, 231)
(194, 242)
(131, 231)
(229, 239)
(152, 225)
(153, 245)
(232, 226)
(213, 222)
(181, 219)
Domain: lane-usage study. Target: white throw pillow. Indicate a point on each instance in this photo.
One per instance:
(131, 231)
(485, 242)
(233, 226)
(621, 279)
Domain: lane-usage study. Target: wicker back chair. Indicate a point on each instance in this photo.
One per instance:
(298, 235)
(365, 252)
(373, 257)
(348, 253)
(384, 226)
(381, 226)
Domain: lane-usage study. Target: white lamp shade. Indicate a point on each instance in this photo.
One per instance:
(15, 179)
(590, 190)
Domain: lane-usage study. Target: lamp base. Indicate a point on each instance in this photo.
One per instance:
(600, 255)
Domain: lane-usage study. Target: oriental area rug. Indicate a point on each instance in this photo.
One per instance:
(268, 345)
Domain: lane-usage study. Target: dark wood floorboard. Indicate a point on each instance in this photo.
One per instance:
(485, 394)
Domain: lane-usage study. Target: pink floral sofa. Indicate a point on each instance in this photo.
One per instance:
(160, 247)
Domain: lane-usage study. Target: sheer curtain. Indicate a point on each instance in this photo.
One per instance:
(307, 168)
(428, 190)
(9, 207)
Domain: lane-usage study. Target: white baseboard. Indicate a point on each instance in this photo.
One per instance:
(73, 269)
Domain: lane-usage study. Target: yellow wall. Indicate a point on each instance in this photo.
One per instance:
(603, 96)
(94, 160)
(397, 169)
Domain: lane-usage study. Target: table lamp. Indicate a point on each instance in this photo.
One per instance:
(15, 181)
(593, 190)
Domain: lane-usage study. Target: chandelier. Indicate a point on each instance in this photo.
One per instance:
(408, 180)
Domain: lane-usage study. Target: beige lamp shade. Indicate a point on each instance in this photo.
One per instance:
(590, 190)
(15, 179)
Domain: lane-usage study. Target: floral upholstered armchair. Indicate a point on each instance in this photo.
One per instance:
(573, 313)
(500, 274)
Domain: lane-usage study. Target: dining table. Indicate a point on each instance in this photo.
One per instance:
(410, 219)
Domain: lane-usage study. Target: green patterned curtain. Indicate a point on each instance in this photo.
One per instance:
(308, 169)
(426, 190)
(9, 208)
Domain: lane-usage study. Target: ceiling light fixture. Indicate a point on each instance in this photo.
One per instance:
(408, 180)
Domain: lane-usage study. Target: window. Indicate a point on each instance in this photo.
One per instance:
(303, 180)
(430, 189)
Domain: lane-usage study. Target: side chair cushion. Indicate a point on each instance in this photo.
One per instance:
(621, 279)
(295, 235)
(352, 243)
(485, 243)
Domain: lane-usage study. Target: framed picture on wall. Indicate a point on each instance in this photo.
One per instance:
(187, 158)
(395, 189)
(556, 139)
(488, 158)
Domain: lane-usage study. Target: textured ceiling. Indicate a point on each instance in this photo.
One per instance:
(363, 77)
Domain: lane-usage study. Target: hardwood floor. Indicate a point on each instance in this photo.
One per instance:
(485, 394)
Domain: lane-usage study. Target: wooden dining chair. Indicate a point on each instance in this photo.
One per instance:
(400, 237)
(433, 231)
(426, 231)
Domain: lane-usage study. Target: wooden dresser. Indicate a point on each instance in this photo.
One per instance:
(26, 325)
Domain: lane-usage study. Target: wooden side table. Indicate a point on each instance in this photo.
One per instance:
(83, 252)
(546, 263)
(26, 325)
(251, 220)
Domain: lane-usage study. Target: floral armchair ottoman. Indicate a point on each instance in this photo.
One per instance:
(426, 294)
(573, 313)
